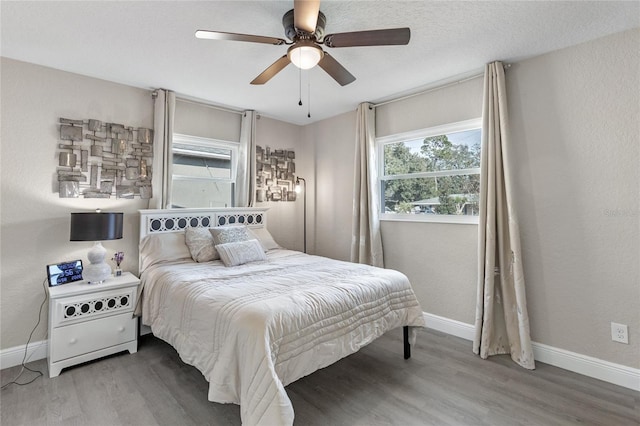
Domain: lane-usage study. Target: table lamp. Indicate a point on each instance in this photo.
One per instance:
(96, 227)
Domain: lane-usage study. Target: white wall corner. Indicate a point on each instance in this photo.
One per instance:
(11, 357)
(617, 374)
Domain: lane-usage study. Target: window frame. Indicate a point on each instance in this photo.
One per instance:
(381, 142)
(233, 147)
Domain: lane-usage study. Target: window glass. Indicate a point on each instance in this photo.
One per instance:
(431, 171)
(203, 172)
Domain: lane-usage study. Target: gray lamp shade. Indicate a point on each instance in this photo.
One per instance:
(96, 226)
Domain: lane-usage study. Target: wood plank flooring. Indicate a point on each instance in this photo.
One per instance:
(443, 383)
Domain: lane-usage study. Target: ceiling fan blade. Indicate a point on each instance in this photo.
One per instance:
(273, 69)
(335, 70)
(219, 35)
(391, 36)
(305, 14)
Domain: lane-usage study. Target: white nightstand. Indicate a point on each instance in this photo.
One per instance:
(89, 321)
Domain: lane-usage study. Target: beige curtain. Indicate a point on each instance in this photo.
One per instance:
(164, 111)
(245, 188)
(502, 322)
(366, 241)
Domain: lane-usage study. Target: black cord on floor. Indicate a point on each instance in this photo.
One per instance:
(26, 347)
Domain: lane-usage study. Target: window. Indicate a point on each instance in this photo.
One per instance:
(204, 172)
(431, 174)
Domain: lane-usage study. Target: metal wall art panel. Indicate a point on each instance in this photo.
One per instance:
(275, 174)
(104, 160)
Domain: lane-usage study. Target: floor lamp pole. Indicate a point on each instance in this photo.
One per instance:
(304, 199)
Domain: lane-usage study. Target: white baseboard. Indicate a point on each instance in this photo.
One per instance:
(449, 326)
(13, 356)
(617, 374)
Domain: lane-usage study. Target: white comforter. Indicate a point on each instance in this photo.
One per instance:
(255, 328)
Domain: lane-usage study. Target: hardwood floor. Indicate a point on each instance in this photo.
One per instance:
(443, 383)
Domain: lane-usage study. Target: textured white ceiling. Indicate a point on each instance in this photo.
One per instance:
(151, 44)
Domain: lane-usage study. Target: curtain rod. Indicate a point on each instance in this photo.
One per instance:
(189, 101)
(431, 89)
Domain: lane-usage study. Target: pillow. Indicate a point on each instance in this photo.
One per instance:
(200, 243)
(265, 238)
(241, 252)
(157, 248)
(229, 234)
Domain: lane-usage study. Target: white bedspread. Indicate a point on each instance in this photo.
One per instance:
(253, 329)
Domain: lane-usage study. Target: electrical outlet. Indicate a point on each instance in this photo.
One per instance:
(619, 333)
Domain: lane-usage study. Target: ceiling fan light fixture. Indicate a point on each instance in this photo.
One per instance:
(305, 56)
(304, 26)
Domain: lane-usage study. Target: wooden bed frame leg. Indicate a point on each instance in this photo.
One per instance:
(407, 346)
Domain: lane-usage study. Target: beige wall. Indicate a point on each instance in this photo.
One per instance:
(332, 145)
(34, 222)
(575, 117)
(449, 104)
(284, 219)
(440, 261)
(206, 122)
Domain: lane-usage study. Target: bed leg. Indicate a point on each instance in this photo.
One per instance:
(407, 346)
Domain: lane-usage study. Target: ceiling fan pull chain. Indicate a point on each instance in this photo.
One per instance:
(309, 95)
(300, 91)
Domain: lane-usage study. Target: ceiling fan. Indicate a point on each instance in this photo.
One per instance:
(304, 26)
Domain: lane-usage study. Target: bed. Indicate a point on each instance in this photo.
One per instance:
(252, 327)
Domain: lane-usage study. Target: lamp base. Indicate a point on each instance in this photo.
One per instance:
(97, 271)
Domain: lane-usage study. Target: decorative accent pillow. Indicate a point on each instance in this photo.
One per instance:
(229, 234)
(200, 243)
(164, 247)
(265, 238)
(241, 252)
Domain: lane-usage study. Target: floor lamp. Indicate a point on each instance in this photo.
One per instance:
(298, 190)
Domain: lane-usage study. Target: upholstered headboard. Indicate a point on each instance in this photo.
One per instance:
(176, 220)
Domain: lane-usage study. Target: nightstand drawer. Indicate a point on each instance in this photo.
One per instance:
(89, 336)
(71, 310)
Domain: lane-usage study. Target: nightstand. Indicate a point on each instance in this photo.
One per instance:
(89, 321)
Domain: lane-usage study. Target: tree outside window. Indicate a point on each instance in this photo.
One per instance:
(432, 175)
